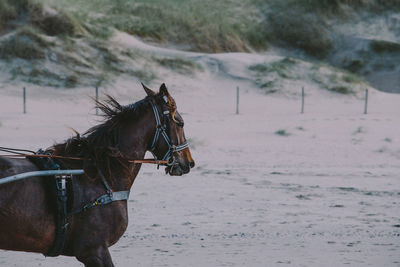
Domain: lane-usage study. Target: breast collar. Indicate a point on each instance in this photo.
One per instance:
(161, 129)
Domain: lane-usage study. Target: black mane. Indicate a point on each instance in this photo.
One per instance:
(115, 115)
(100, 144)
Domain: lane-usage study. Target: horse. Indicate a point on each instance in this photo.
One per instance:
(27, 210)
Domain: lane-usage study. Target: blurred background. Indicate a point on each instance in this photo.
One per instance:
(297, 163)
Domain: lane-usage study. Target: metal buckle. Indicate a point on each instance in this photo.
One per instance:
(171, 161)
(173, 149)
(61, 181)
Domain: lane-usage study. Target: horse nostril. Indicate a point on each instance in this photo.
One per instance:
(191, 164)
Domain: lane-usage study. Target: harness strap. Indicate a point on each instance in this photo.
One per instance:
(103, 179)
(61, 216)
(102, 200)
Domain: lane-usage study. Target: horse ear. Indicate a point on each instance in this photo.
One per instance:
(164, 90)
(148, 91)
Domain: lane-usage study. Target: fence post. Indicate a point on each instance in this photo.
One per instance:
(97, 99)
(24, 100)
(302, 100)
(366, 101)
(237, 100)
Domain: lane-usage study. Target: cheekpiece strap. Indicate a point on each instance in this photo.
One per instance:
(160, 129)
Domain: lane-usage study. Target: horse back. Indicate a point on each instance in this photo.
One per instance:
(11, 166)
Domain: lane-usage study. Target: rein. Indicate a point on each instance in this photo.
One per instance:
(135, 161)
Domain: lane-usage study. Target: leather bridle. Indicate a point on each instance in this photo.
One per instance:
(161, 126)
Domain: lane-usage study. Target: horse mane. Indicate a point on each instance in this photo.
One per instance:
(99, 145)
(115, 115)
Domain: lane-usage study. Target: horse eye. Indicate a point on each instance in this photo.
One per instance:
(180, 124)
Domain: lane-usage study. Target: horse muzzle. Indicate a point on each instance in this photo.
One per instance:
(178, 169)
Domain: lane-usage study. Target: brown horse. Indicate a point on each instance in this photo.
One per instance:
(27, 212)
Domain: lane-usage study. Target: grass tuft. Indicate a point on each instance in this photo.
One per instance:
(309, 33)
(351, 78)
(281, 67)
(282, 132)
(180, 65)
(341, 90)
(58, 24)
(381, 47)
(71, 81)
(22, 45)
(278, 70)
(7, 13)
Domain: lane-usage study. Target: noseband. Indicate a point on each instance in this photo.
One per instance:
(161, 129)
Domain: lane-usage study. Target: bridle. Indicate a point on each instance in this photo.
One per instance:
(161, 130)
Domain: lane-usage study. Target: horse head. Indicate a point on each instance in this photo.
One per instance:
(169, 142)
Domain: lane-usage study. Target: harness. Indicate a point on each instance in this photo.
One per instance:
(64, 179)
(161, 130)
(105, 199)
(63, 197)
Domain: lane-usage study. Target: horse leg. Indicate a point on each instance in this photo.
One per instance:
(96, 257)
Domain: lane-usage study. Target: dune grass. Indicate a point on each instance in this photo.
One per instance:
(201, 25)
(25, 43)
(196, 25)
(381, 47)
(180, 65)
(279, 75)
(11, 9)
(307, 24)
(336, 7)
(33, 13)
(281, 67)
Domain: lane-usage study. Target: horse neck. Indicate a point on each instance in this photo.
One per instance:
(135, 140)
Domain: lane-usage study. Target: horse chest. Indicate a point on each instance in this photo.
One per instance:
(104, 225)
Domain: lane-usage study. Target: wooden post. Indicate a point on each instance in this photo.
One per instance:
(24, 100)
(237, 100)
(97, 99)
(302, 100)
(366, 101)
